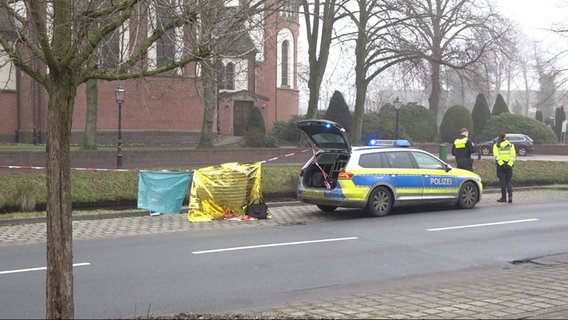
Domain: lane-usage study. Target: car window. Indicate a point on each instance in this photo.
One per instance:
(327, 158)
(328, 139)
(399, 159)
(372, 160)
(426, 161)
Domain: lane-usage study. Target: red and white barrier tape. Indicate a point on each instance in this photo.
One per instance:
(76, 169)
(126, 170)
(285, 156)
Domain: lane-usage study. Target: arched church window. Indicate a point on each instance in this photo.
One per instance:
(230, 76)
(285, 67)
(220, 70)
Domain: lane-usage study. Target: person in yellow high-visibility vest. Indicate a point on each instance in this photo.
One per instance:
(462, 149)
(505, 156)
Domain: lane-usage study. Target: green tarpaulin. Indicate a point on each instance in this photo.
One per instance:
(163, 191)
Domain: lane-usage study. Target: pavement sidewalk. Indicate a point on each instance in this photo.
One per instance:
(535, 289)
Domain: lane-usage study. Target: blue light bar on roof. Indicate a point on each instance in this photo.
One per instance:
(402, 143)
(388, 143)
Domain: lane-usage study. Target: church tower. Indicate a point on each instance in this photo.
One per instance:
(277, 73)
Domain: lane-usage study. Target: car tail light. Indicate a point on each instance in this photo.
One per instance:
(301, 173)
(345, 176)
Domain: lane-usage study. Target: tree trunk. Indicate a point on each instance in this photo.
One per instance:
(90, 137)
(318, 61)
(207, 74)
(360, 98)
(59, 282)
(314, 84)
(434, 99)
(361, 83)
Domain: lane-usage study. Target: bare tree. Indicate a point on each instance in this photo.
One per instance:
(547, 78)
(453, 33)
(492, 74)
(319, 17)
(495, 71)
(53, 42)
(521, 75)
(375, 51)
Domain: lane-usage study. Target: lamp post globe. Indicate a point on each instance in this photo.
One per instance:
(119, 95)
(397, 104)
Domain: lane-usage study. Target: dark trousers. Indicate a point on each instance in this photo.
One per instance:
(505, 175)
(465, 163)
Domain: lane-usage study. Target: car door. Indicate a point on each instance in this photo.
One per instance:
(437, 181)
(404, 176)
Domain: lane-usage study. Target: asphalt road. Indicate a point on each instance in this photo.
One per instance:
(223, 270)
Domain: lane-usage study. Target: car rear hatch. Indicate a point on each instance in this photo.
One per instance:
(325, 135)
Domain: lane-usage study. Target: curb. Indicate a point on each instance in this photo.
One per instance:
(143, 212)
(121, 214)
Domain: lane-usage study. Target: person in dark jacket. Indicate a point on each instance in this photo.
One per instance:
(462, 149)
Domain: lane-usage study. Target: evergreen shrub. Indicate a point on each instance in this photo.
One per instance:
(500, 106)
(338, 111)
(255, 131)
(515, 123)
(480, 115)
(455, 118)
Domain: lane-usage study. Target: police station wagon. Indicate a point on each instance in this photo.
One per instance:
(380, 177)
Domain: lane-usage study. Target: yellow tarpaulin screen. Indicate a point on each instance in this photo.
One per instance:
(228, 187)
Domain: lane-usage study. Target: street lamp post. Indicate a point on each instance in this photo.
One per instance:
(397, 105)
(119, 95)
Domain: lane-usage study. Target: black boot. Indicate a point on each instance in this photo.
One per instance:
(510, 198)
(503, 197)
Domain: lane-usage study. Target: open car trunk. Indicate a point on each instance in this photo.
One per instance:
(323, 172)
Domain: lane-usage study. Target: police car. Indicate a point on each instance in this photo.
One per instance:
(377, 177)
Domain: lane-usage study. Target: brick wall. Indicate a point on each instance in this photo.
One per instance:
(7, 116)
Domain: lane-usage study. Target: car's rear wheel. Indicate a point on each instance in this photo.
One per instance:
(326, 208)
(468, 196)
(522, 151)
(380, 202)
(485, 151)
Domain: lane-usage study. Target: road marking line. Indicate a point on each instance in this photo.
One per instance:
(482, 225)
(274, 245)
(41, 268)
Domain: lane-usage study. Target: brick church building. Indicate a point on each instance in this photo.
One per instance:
(168, 109)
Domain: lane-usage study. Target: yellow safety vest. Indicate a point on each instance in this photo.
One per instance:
(505, 152)
(460, 143)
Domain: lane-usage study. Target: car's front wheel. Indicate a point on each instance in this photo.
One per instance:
(468, 196)
(380, 202)
(522, 151)
(485, 151)
(326, 208)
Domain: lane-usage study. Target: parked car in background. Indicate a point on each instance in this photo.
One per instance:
(378, 177)
(523, 144)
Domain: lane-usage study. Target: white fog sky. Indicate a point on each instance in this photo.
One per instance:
(536, 16)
